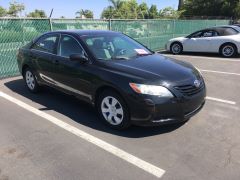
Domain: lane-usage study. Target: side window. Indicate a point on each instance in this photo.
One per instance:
(46, 44)
(229, 31)
(197, 34)
(210, 33)
(68, 46)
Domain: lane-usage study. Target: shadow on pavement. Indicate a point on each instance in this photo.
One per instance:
(81, 112)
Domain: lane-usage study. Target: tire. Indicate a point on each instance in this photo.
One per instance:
(30, 81)
(113, 110)
(176, 48)
(228, 50)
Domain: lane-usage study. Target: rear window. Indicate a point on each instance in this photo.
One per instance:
(46, 44)
(229, 31)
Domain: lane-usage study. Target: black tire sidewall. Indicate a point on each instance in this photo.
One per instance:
(126, 116)
(36, 87)
(179, 45)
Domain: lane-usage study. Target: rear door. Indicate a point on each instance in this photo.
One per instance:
(42, 53)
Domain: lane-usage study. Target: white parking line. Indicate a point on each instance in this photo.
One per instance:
(204, 58)
(219, 72)
(154, 170)
(221, 100)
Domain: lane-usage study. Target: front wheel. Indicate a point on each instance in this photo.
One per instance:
(113, 110)
(176, 48)
(228, 50)
(31, 81)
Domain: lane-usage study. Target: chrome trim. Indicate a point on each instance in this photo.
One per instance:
(62, 34)
(61, 85)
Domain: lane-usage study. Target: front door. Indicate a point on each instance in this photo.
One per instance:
(73, 76)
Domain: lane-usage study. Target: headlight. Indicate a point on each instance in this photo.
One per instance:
(151, 90)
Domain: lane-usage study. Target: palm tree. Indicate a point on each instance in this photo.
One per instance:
(180, 4)
(84, 14)
(115, 3)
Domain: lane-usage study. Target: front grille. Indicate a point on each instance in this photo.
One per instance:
(190, 90)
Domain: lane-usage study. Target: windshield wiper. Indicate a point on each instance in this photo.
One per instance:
(141, 55)
(120, 58)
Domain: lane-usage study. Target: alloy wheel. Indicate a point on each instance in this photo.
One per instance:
(228, 51)
(30, 80)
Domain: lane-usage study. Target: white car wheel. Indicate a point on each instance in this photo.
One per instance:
(176, 48)
(228, 50)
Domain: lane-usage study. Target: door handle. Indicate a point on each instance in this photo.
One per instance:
(56, 62)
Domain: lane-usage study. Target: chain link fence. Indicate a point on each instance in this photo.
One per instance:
(14, 33)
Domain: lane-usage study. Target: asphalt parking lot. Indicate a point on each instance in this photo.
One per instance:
(51, 135)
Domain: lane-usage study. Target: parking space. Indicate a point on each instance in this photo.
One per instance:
(42, 136)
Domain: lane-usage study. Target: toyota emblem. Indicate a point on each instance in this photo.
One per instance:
(197, 83)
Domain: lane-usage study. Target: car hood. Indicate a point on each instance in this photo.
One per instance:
(154, 69)
(180, 39)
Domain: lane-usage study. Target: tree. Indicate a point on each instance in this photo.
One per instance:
(143, 11)
(84, 14)
(132, 7)
(108, 13)
(180, 4)
(3, 12)
(37, 14)
(169, 12)
(15, 9)
(227, 8)
(116, 3)
(153, 12)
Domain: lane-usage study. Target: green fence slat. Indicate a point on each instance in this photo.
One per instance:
(14, 33)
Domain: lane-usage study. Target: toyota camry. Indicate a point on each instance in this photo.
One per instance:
(124, 80)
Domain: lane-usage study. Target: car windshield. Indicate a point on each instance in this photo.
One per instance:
(237, 28)
(114, 47)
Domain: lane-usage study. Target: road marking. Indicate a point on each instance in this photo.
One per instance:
(221, 100)
(203, 57)
(154, 170)
(219, 72)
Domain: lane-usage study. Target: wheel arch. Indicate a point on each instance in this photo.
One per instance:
(104, 88)
(24, 67)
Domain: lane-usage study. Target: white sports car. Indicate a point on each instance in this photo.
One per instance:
(220, 39)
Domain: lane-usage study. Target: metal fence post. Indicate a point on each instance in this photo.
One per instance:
(50, 23)
(110, 24)
(174, 28)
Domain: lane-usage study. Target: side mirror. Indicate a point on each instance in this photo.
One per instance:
(79, 57)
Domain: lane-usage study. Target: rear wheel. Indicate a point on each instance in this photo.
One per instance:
(113, 110)
(228, 50)
(31, 81)
(176, 48)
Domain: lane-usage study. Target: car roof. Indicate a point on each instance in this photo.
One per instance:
(223, 26)
(85, 32)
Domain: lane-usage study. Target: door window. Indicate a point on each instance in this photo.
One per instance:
(46, 44)
(197, 34)
(68, 46)
(210, 33)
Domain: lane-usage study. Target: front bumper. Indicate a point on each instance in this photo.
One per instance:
(149, 110)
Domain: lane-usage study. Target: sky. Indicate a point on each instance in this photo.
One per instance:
(67, 8)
